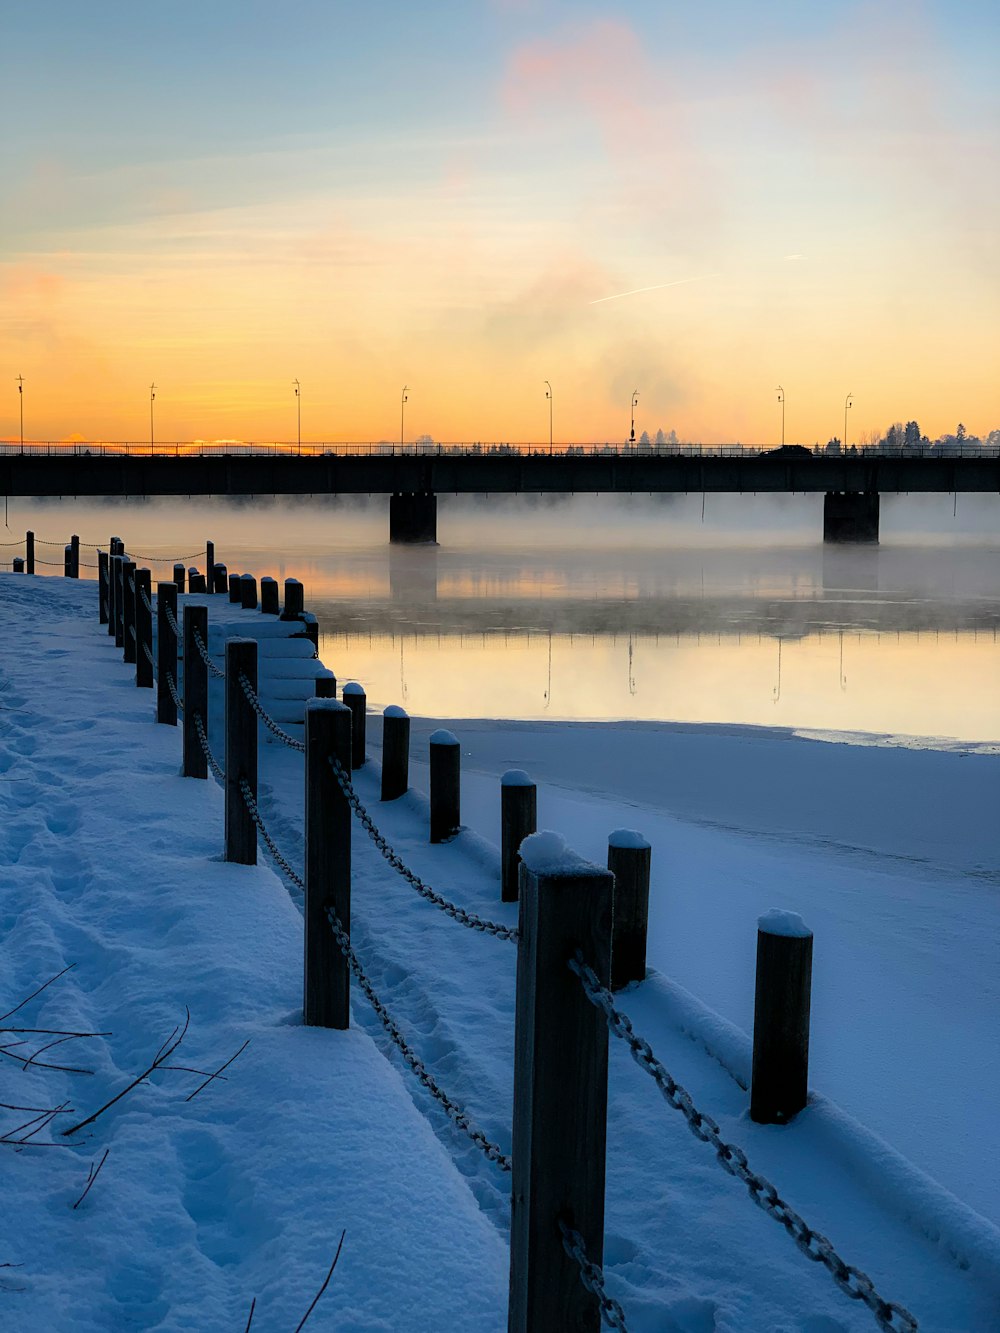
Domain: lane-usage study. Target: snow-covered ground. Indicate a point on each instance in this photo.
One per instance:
(112, 866)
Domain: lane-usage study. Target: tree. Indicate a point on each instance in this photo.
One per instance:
(660, 438)
(911, 435)
(644, 437)
(960, 433)
(895, 436)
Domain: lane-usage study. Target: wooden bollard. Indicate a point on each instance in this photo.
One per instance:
(269, 596)
(235, 589)
(29, 552)
(241, 751)
(248, 592)
(327, 976)
(518, 820)
(446, 784)
(128, 610)
(143, 631)
(18, 566)
(560, 1087)
(179, 573)
(196, 580)
(67, 562)
(114, 586)
(354, 697)
(326, 685)
(102, 588)
(210, 566)
(74, 547)
(395, 752)
(629, 856)
(195, 691)
(294, 600)
(779, 1084)
(220, 578)
(166, 654)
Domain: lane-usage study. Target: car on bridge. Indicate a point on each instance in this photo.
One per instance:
(788, 451)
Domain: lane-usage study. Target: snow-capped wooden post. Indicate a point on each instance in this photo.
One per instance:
(195, 691)
(74, 548)
(29, 552)
(629, 856)
(248, 592)
(326, 684)
(196, 580)
(395, 752)
(327, 976)
(560, 1087)
(143, 631)
(179, 573)
(67, 562)
(780, 1079)
(269, 596)
(354, 697)
(166, 653)
(220, 578)
(114, 559)
(102, 587)
(210, 566)
(518, 819)
(18, 565)
(119, 616)
(446, 785)
(235, 589)
(128, 611)
(294, 600)
(241, 750)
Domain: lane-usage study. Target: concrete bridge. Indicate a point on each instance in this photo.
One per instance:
(414, 477)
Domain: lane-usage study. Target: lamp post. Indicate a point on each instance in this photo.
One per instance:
(847, 404)
(781, 400)
(402, 406)
(298, 416)
(152, 395)
(20, 399)
(548, 395)
(635, 399)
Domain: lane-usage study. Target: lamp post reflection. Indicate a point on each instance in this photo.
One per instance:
(776, 692)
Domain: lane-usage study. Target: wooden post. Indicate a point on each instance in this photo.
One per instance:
(326, 975)
(235, 589)
(128, 610)
(18, 565)
(446, 782)
(395, 752)
(67, 562)
(195, 691)
(74, 546)
(120, 601)
(629, 856)
(221, 578)
(269, 596)
(113, 561)
(326, 685)
(560, 1088)
(354, 697)
(29, 551)
(196, 580)
(518, 819)
(210, 566)
(166, 654)
(294, 600)
(143, 631)
(241, 751)
(779, 1084)
(102, 587)
(179, 576)
(248, 592)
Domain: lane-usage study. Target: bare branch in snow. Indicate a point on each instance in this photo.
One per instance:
(42, 987)
(326, 1283)
(218, 1072)
(95, 1171)
(253, 1306)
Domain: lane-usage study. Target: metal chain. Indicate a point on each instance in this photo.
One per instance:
(172, 687)
(166, 559)
(145, 599)
(268, 721)
(131, 584)
(592, 1277)
(149, 656)
(269, 842)
(199, 727)
(171, 620)
(889, 1316)
(458, 914)
(458, 1116)
(199, 643)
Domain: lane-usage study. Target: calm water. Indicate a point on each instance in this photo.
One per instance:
(727, 610)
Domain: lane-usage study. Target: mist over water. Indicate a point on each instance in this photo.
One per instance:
(722, 608)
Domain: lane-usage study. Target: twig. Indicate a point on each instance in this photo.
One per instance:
(36, 992)
(94, 1173)
(165, 1051)
(253, 1306)
(210, 1077)
(39, 1064)
(39, 1121)
(326, 1282)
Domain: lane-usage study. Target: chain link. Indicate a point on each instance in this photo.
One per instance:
(149, 656)
(166, 559)
(268, 721)
(199, 727)
(199, 643)
(131, 584)
(269, 842)
(145, 599)
(592, 1277)
(171, 620)
(172, 687)
(458, 914)
(890, 1317)
(455, 1112)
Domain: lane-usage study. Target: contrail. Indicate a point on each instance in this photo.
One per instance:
(655, 288)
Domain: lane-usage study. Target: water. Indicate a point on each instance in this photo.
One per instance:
(725, 610)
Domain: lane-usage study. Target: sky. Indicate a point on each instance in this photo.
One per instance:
(474, 200)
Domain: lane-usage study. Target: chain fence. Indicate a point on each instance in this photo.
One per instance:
(172, 621)
(199, 643)
(270, 844)
(172, 687)
(145, 599)
(451, 909)
(254, 701)
(592, 1277)
(149, 657)
(213, 764)
(889, 1316)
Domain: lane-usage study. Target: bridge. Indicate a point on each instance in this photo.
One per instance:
(414, 475)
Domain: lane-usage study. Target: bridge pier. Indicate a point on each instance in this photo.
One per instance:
(851, 516)
(413, 517)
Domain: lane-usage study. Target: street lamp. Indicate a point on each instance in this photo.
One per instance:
(548, 395)
(20, 399)
(152, 395)
(402, 405)
(781, 400)
(847, 404)
(635, 399)
(298, 415)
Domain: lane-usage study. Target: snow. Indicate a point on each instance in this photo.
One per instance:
(627, 839)
(516, 777)
(112, 863)
(394, 710)
(780, 922)
(443, 737)
(352, 687)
